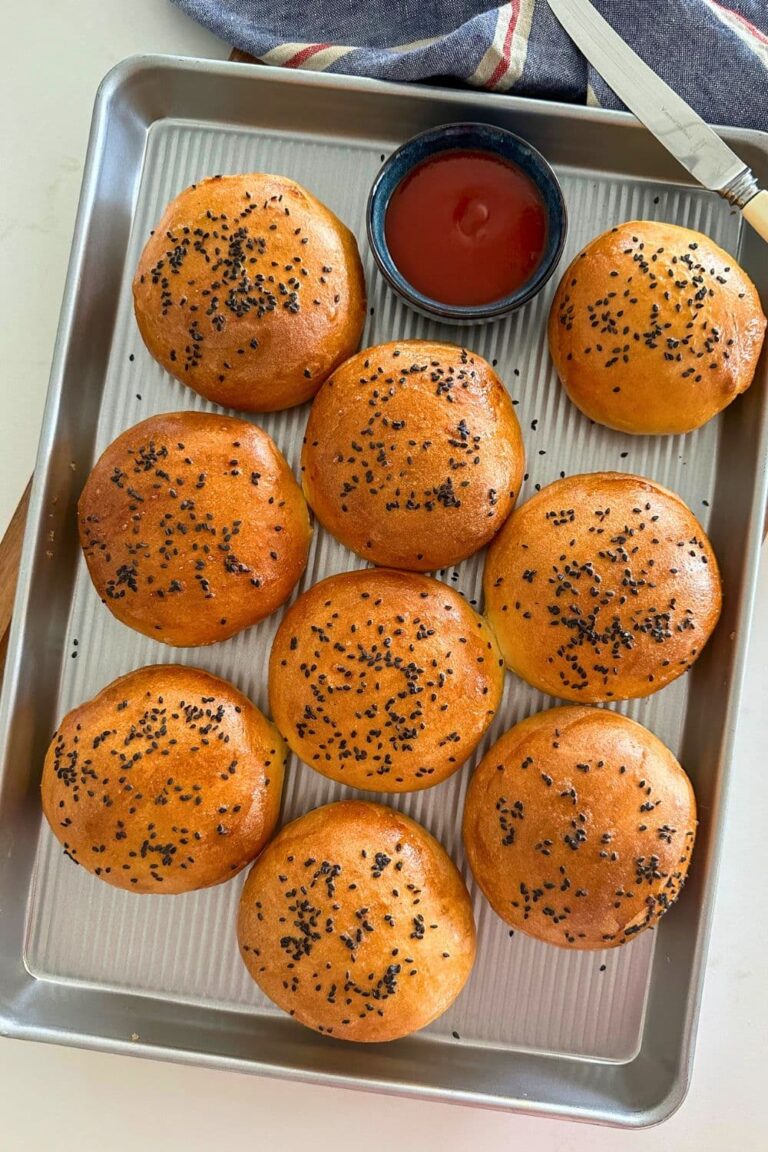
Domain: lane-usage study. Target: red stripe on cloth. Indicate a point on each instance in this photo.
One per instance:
(503, 64)
(305, 54)
(746, 24)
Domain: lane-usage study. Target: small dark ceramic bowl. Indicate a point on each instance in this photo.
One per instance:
(480, 138)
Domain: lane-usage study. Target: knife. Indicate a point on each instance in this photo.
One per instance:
(673, 122)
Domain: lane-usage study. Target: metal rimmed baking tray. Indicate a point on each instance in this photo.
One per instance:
(604, 1037)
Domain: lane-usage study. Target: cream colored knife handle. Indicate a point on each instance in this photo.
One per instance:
(756, 212)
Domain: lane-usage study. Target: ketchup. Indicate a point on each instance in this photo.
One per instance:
(466, 227)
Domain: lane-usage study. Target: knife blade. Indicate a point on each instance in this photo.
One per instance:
(673, 122)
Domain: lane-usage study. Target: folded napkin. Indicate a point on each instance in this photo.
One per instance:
(715, 55)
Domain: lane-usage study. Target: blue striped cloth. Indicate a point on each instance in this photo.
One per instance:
(714, 54)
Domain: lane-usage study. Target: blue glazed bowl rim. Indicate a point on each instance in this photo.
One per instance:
(481, 137)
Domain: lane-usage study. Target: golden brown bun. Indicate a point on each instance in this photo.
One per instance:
(384, 680)
(602, 587)
(193, 527)
(655, 329)
(168, 780)
(357, 922)
(579, 826)
(413, 455)
(250, 291)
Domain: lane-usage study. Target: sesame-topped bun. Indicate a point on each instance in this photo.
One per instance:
(655, 329)
(168, 780)
(357, 923)
(413, 455)
(602, 587)
(579, 826)
(384, 680)
(193, 527)
(250, 291)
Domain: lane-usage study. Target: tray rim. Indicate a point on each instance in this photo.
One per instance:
(673, 1092)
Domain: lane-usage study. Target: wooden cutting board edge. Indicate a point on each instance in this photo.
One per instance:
(10, 558)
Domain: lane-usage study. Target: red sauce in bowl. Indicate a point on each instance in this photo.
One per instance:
(466, 227)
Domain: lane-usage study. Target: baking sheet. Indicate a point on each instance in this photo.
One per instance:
(585, 1010)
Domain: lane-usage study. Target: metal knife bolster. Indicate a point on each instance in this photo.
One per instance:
(741, 189)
